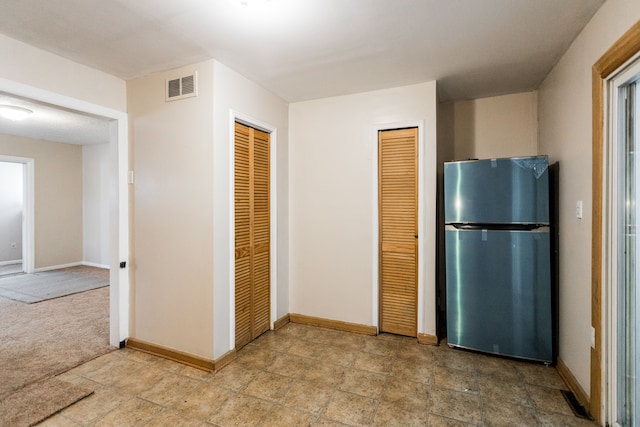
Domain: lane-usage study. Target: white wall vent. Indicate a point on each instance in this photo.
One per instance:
(181, 87)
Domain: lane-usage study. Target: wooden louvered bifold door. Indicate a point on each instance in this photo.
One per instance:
(252, 254)
(398, 234)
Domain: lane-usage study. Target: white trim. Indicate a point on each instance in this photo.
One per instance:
(15, 261)
(375, 287)
(57, 267)
(236, 116)
(610, 219)
(28, 209)
(119, 203)
(93, 264)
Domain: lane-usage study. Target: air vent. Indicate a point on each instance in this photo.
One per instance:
(182, 87)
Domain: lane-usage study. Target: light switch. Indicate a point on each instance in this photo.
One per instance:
(579, 209)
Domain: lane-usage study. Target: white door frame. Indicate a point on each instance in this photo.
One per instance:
(236, 116)
(375, 285)
(28, 237)
(119, 201)
(611, 259)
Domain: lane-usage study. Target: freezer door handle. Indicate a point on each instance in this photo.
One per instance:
(529, 228)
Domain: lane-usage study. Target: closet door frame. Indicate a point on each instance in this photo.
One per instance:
(375, 230)
(273, 203)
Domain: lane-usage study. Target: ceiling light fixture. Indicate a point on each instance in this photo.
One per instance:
(12, 112)
(251, 3)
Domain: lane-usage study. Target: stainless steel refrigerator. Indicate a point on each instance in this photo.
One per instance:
(498, 256)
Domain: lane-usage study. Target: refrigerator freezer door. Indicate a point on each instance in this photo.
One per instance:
(499, 292)
(498, 191)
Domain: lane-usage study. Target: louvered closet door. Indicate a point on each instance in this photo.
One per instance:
(252, 255)
(398, 234)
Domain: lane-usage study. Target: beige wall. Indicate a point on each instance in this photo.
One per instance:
(565, 134)
(182, 296)
(95, 204)
(499, 126)
(331, 180)
(57, 197)
(234, 93)
(172, 294)
(26, 64)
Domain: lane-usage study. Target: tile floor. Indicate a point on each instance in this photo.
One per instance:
(302, 375)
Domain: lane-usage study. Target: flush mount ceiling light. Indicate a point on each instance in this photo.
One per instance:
(12, 112)
(251, 3)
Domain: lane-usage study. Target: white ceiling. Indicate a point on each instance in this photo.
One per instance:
(307, 49)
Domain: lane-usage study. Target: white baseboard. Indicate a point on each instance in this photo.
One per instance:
(56, 267)
(71, 264)
(15, 261)
(93, 264)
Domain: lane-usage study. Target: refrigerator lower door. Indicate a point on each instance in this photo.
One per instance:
(499, 292)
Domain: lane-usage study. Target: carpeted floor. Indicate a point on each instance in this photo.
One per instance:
(37, 287)
(38, 341)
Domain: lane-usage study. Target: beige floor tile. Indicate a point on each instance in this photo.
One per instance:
(509, 415)
(253, 357)
(282, 416)
(456, 359)
(454, 379)
(350, 409)
(321, 335)
(458, 405)
(133, 412)
(364, 383)
(388, 414)
(241, 410)
(495, 390)
(204, 401)
(439, 421)
(91, 408)
(195, 373)
(174, 418)
(407, 395)
(274, 341)
(548, 419)
(234, 376)
(307, 396)
(139, 380)
(541, 375)
(170, 389)
(404, 369)
(303, 375)
(324, 422)
(308, 349)
(348, 341)
(416, 353)
(72, 378)
(290, 365)
(114, 370)
(374, 363)
(549, 399)
(268, 386)
(325, 373)
(380, 346)
(498, 368)
(59, 420)
(338, 355)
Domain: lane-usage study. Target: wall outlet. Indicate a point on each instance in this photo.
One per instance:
(579, 209)
(14, 245)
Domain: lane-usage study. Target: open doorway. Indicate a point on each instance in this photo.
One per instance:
(118, 220)
(11, 217)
